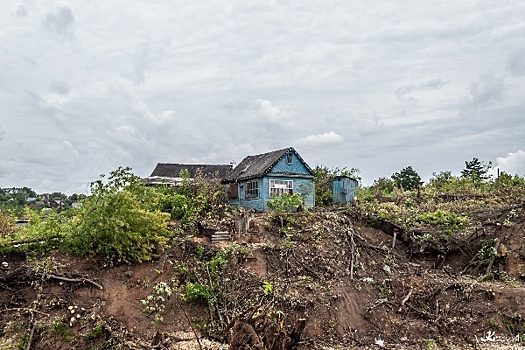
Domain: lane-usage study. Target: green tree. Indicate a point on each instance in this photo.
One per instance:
(507, 180)
(407, 179)
(120, 220)
(382, 185)
(476, 170)
(324, 178)
(283, 204)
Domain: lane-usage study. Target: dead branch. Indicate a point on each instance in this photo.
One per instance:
(405, 299)
(491, 262)
(33, 325)
(377, 303)
(27, 241)
(179, 304)
(81, 280)
(352, 262)
(24, 309)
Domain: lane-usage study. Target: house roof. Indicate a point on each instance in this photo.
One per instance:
(169, 170)
(261, 164)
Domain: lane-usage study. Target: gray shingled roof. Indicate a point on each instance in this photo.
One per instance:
(170, 170)
(259, 165)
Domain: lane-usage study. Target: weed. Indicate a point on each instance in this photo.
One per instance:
(155, 303)
(522, 252)
(23, 342)
(13, 326)
(63, 330)
(494, 324)
(486, 277)
(96, 332)
(268, 288)
(199, 292)
(429, 344)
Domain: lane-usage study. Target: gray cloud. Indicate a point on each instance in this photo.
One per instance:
(487, 89)
(432, 84)
(21, 11)
(61, 22)
(397, 84)
(516, 63)
(60, 87)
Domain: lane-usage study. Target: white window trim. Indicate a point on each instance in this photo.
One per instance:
(279, 187)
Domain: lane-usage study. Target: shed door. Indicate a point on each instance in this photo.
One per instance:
(234, 191)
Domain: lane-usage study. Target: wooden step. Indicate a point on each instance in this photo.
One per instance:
(221, 236)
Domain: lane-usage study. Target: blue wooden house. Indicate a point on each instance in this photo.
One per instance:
(344, 190)
(257, 179)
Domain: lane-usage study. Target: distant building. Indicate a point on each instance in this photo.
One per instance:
(170, 174)
(56, 203)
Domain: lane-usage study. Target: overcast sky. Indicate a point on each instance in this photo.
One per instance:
(87, 86)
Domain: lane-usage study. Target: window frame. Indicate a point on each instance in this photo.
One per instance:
(289, 158)
(252, 190)
(283, 186)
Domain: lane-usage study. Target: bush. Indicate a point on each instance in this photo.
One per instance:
(119, 220)
(199, 292)
(443, 217)
(8, 225)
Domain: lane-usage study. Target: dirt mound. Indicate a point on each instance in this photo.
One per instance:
(323, 281)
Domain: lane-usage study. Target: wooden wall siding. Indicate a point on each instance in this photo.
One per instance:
(299, 184)
(296, 167)
(344, 190)
(261, 204)
(251, 203)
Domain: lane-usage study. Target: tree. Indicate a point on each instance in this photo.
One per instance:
(120, 220)
(476, 170)
(324, 177)
(407, 179)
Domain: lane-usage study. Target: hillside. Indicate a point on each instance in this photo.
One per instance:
(322, 279)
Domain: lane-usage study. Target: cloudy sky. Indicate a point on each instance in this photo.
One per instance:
(87, 86)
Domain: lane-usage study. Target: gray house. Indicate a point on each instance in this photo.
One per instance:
(257, 179)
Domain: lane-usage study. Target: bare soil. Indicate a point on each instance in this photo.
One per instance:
(392, 298)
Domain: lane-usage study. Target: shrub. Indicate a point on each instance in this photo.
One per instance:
(443, 217)
(119, 220)
(199, 292)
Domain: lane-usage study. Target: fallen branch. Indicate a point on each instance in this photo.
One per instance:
(24, 309)
(376, 304)
(179, 304)
(33, 325)
(491, 263)
(27, 241)
(81, 280)
(405, 299)
(403, 302)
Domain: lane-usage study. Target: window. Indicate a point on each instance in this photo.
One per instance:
(289, 157)
(279, 187)
(252, 189)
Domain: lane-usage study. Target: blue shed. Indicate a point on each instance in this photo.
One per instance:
(256, 179)
(344, 190)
